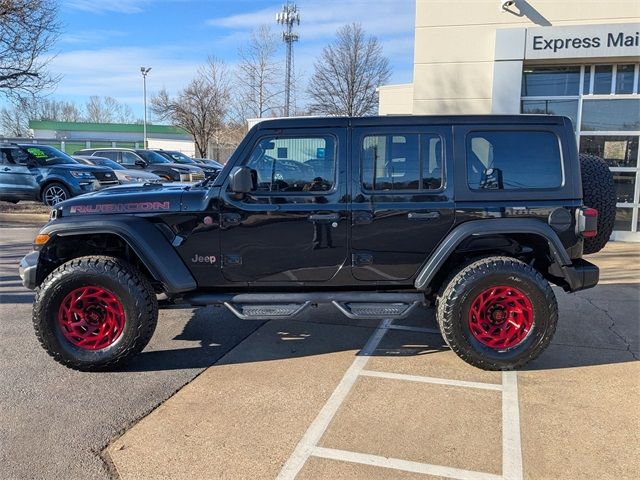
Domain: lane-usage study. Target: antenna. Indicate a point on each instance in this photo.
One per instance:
(289, 16)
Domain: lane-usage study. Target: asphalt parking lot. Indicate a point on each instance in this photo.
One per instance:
(326, 397)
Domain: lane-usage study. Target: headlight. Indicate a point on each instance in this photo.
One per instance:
(133, 179)
(77, 174)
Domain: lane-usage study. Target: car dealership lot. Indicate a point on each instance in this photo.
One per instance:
(304, 397)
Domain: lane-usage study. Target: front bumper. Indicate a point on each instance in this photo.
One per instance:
(28, 269)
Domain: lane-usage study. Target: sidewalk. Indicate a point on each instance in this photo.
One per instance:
(296, 395)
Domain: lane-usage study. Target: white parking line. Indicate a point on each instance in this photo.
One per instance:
(437, 381)
(511, 442)
(307, 446)
(404, 465)
(313, 434)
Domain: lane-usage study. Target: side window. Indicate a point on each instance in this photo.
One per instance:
(110, 155)
(4, 159)
(513, 160)
(294, 164)
(19, 156)
(128, 158)
(401, 162)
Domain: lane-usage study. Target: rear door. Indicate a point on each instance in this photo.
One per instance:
(402, 200)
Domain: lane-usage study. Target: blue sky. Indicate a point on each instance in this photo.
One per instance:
(105, 42)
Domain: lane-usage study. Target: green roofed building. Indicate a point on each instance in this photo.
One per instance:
(77, 135)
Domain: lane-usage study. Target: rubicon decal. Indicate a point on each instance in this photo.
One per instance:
(203, 259)
(120, 207)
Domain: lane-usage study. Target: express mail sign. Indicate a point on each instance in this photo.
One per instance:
(615, 40)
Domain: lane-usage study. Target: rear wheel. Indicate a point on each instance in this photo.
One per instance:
(598, 191)
(497, 313)
(94, 313)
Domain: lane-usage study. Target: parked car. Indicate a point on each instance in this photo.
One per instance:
(476, 214)
(148, 161)
(44, 173)
(125, 175)
(208, 161)
(179, 157)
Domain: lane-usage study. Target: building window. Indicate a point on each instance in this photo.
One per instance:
(603, 102)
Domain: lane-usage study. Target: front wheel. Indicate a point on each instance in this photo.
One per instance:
(94, 313)
(497, 313)
(54, 193)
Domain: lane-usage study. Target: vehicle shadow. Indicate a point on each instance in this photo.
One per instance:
(588, 334)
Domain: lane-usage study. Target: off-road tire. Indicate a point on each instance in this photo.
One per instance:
(599, 192)
(455, 299)
(133, 291)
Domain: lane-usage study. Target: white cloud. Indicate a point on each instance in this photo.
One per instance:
(101, 6)
(116, 72)
(84, 37)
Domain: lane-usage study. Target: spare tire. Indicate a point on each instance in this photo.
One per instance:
(598, 191)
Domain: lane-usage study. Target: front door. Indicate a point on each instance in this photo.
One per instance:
(403, 204)
(293, 228)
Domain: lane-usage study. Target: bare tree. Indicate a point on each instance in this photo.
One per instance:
(56, 110)
(201, 108)
(28, 29)
(347, 75)
(258, 74)
(14, 120)
(107, 110)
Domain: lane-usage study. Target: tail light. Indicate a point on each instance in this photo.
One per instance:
(588, 222)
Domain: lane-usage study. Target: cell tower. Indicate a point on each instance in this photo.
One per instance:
(288, 17)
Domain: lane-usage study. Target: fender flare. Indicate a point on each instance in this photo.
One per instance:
(489, 227)
(148, 243)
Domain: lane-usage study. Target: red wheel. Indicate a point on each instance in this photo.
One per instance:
(501, 317)
(91, 317)
(95, 313)
(497, 313)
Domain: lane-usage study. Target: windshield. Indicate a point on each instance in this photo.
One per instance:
(152, 157)
(48, 155)
(180, 157)
(105, 162)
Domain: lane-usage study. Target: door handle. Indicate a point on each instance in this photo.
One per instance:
(423, 216)
(329, 217)
(6, 169)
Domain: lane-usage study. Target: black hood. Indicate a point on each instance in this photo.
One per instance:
(130, 198)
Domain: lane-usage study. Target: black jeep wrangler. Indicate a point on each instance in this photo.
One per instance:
(477, 214)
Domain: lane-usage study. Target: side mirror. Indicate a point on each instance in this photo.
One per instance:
(141, 163)
(242, 180)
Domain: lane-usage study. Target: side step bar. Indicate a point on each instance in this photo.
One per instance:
(271, 306)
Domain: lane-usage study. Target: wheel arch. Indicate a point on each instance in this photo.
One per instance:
(133, 239)
(528, 239)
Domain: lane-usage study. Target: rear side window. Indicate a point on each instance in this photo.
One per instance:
(401, 162)
(110, 155)
(501, 160)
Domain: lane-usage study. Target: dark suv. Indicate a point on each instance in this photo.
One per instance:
(149, 161)
(42, 172)
(478, 215)
(179, 157)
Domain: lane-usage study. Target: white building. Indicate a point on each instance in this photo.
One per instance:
(578, 58)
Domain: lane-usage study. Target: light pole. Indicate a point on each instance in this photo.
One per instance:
(144, 71)
(289, 16)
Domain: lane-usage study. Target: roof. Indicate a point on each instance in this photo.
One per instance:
(104, 127)
(402, 120)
